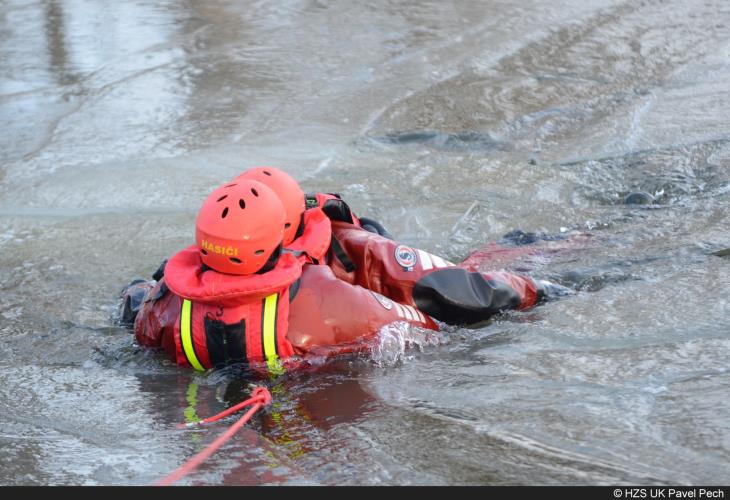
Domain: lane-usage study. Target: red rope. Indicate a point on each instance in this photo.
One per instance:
(259, 397)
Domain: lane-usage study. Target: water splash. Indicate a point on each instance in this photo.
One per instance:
(394, 340)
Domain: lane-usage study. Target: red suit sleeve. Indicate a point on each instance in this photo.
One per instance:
(411, 276)
(329, 316)
(155, 323)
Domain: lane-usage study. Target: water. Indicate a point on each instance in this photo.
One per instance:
(453, 124)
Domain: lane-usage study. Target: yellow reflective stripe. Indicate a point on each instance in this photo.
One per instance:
(269, 334)
(186, 335)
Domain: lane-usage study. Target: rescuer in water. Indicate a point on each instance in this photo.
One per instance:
(276, 277)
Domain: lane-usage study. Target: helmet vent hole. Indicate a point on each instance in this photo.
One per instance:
(259, 252)
(230, 185)
(241, 203)
(203, 251)
(234, 260)
(255, 193)
(287, 225)
(266, 172)
(222, 197)
(225, 212)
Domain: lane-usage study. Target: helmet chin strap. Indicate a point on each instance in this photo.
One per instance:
(300, 229)
(271, 262)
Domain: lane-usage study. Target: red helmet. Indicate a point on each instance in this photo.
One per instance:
(289, 192)
(239, 227)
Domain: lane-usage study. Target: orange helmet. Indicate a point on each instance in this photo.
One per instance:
(239, 227)
(289, 192)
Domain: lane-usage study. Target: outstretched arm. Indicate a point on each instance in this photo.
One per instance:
(435, 286)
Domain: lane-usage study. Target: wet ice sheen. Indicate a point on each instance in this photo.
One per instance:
(453, 124)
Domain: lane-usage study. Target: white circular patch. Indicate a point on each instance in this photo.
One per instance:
(406, 257)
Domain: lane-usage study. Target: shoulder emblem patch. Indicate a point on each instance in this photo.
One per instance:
(406, 257)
